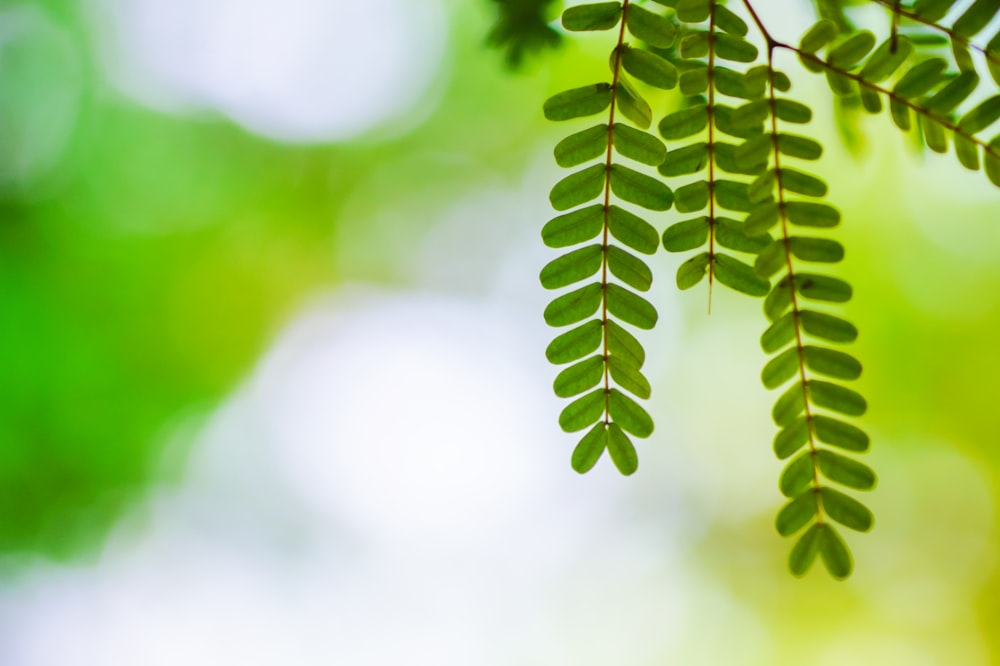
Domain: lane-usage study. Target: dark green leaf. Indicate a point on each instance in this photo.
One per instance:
(789, 405)
(837, 398)
(693, 11)
(583, 411)
(781, 368)
(692, 271)
(846, 510)
(831, 363)
(805, 550)
(629, 377)
(575, 344)
(627, 413)
(976, 17)
(827, 326)
(761, 220)
(932, 10)
(575, 306)
(797, 475)
(573, 267)
(836, 556)
(822, 288)
(630, 307)
(582, 146)
(578, 102)
(900, 114)
(640, 189)
(847, 471)
(991, 164)
(791, 111)
(588, 451)
(732, 234)
(732, 48)
(726, 20)
(649, 68)
(638, 145)
(946, 99)
(796, 514)
(579, 377)
(732, 195)
(920, 78)
(850, 52)
(816, 249)
(599, 16)
(691, 197)
(630, 270)
(579, 187)
(694, 81)
(837, 433)
(685, 161)
(738, 276)
(735, 84)
(799, 146)
(779, 300)
(622, 451)
(686, 235)
(818, 36)
(632, 230)
(578, 226)
(967, 152)
(791, 438)
(755, 150)
(623, 344)
(771, 260)
(778, 334)
(684, 123)
(650, 27)
(887, 59)
(796, 181)
(809, 214)
(694, 45)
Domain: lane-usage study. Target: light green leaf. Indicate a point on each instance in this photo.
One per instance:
(630, 307)
(578, 102)
(629, 415)
(779, 300)
(805, 550)
(691, 197)
(762, 219)
(579, 377)
(623, 345)
(844, 470)
(789, 405)
(731, 234)
(692, 271)
(920, 78)
(948, 98)
(575, 344)
(629, 377)
(797, 475)
(686, 235)
(650, 27)
(837, 398)
(622, 451)
(632, 230)
(575, 306)
(850, 52)
(630, 270)
(887, 59)
(640, 189)
(738, 276)
(685, 161)
(638, 145)
(632, 105)
(590, 448)
(835, 553)
(684, 123)
(695, 45)
(828, 327)
(726, 20)
(771, 260)
(573, 267)
(733, 195)
(649, 68)
(579, 187)
(796, 514)
(837, 433)
(781, 368)
(582, 146)
(831, 363)
(578, 226)
(778, 334)
(818, 36)
(967, 152)
(583, 411)
(598, 16)
(791, 438)
(846, 510)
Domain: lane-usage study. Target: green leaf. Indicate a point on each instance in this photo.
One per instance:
(850, 52)
(583, 411)
(684, 123)
(755, 151)
(630, 307)
(694, 45)
(779, 300)
(738, 276)
(579, 377)
(816, 249)
(791, 438)
(685, 161)
(649, 68)
(796, 514)
(796, 181)
(778, 334)
(578, 102)
(579, 226)
(694, 81)
(732, 48)
(900, 114)
(946, 99)
(791, 111)
(837, 398)
(809, 214)
(582, 146)
(750, 115)
(920, 78)
(691, 197)
(822, 288)
(771, 260)
(623, 345)
(692, 271)
(575, 344)
(837, 433)
(836, 556)
(870, 100)
(828, 327)
(818, 36)
(573, 267)
(579, 187)
(632, 105)
(640, 189)
(588, 451)
(629, 415)
(630, 270)
(629, 377)
(846, 510)
(726, 20)
(932, 10)
(887, 59)
(805, 550)
(598, 16)
(575, 306)
(797, 475)
(762, 219)
(686, 235)
(844, 470)
(976, 17)
(789, 405)
(650, 27)
(831, 363)
(780, 369)
(622, 452)
(735, 84)
(991, 164)
(731, 234)
(733, 195)
(693, 11)
(632, 230)
(638, 145)
(799, 146)
(967, 152)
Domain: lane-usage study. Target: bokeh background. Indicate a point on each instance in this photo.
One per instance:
(272, 388)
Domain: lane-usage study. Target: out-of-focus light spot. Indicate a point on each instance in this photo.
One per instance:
(40, 87)
(294, 70)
